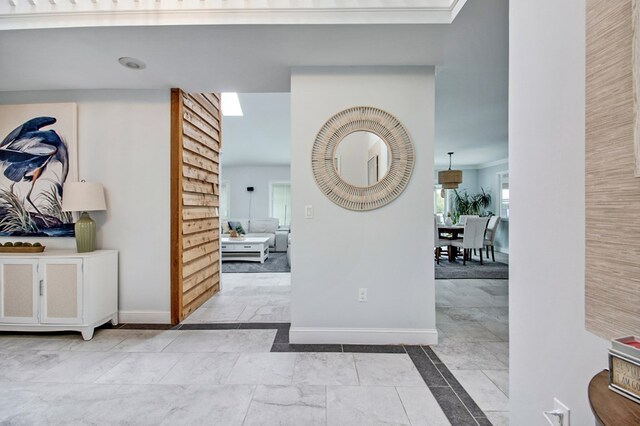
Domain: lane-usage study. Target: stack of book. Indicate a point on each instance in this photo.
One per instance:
(624, 367)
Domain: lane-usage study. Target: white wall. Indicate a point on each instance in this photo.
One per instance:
(123, 143)
(388, 250)
(240, 178)
(551, 354)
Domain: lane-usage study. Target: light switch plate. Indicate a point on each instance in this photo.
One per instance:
(308, 212)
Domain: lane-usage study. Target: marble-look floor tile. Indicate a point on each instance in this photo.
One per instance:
(500, 329)
(134, 404)
(288, 405)
(102, 341)
(477, 314)
(467, 356)
(441, 316)
(223, 341)
(364, 405)
(141, 368)
(421, 407)
(266, 313)
(25, 366)
(201, 368)
(499, 349)
(205, 405)
(325, 369)
(82, 367)
(263, 369)
(498, 418)
(465, 331)
(483, 391)
(41, 342)
(387, 370)
(500, 378)
(215, 314)
(55, 404)
(145, 340)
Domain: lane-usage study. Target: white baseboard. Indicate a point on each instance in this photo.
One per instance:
(144, 317)
(363, 336)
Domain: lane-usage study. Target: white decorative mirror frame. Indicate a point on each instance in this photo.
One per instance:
(368, 119)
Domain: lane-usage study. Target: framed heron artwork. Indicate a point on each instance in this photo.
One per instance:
(38, 153)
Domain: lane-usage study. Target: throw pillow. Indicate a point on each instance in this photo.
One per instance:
(225, 227)
(237, 226)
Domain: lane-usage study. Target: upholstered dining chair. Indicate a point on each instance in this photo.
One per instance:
(463, 218)
(473, 238)
(438, 242)
(490, 236)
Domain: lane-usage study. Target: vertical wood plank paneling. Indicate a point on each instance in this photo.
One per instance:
(612, 271)
(195, 149)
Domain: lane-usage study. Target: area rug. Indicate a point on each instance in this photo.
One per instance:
(456, 270)
(277, 262)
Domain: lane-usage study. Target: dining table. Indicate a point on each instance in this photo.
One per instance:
(451, 232)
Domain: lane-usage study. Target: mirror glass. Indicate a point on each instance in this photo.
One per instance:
(362, 158)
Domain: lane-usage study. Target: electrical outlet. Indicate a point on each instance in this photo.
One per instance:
(362, 295)
(557, 405)
(308, 212)
(560, 415)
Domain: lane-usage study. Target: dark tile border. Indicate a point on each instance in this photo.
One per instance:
(456, 403)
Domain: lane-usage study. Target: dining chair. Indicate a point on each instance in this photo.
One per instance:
(438, 242)
(490, 236)
(473, 237)
(463, 218)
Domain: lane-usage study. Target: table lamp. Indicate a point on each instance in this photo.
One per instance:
(84, 197)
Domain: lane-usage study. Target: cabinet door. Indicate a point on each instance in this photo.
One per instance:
(61, 291)
(19, 292)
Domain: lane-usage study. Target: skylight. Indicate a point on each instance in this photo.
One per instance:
(231, 105)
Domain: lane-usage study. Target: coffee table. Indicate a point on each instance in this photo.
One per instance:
(250, 249)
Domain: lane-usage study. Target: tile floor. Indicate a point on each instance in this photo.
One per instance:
(245, 375)
(191, 377)
(248, 298)
(473, 323)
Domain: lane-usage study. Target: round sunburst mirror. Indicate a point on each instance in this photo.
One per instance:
(362, 158)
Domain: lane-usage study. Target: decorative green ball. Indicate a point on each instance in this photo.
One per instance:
(17, 244)
(37, 245)
(8, 244)
(27, 245)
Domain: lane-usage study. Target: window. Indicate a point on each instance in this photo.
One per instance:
(224, 200)
(439, 203)
(280, 201)
(503, 187)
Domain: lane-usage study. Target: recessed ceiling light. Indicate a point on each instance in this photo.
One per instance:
(231, 105)
(132, 63)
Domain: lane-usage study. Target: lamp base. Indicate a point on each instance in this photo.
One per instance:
(85, 233)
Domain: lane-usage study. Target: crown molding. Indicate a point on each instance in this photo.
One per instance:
(32, 14)
(473, 166)
(493, 163)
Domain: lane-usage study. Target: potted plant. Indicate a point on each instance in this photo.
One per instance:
(476, 204)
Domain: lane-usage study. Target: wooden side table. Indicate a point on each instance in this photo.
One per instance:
(610, 408)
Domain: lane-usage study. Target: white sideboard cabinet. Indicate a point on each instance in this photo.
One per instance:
(58, 290)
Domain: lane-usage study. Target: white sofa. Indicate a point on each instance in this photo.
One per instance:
(267, 227)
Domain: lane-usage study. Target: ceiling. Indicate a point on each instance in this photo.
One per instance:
(470, 55)
(262, 136)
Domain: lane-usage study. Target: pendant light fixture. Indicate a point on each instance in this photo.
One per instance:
(450, 179)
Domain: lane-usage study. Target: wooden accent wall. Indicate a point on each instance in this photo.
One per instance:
(612, 275)
(195, 148)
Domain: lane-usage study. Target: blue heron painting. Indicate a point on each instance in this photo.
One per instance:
(35, 163)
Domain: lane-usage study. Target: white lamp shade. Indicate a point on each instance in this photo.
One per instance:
(83, 197)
